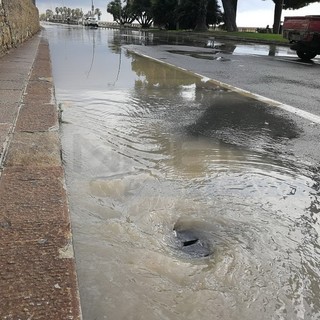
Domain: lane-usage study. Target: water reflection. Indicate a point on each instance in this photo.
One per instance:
(129, 36)
(216, 53)
(160, 148)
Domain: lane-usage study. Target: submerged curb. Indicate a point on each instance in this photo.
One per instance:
(37, 267)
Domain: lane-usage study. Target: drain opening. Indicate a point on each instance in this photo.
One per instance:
(192, 242)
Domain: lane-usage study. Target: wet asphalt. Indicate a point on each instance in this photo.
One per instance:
(283, 78)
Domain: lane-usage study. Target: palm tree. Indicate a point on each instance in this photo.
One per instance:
(69, 12)
(79, 13)
(57, 10)
(61, 12)
(98, 13)
(65, 12)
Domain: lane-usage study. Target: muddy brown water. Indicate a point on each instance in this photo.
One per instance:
(185, 202)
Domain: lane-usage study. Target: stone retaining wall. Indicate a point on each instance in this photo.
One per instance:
(19, 20)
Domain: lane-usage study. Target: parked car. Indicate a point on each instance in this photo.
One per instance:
(91, 22)
(304, 35)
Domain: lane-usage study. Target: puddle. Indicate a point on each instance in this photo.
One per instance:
(218, 46)
(200, 55)
(185, 201)
(216, 52)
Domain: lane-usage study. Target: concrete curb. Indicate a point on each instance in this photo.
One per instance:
(37, 267)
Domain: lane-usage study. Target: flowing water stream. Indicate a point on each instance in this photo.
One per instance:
(185, 201)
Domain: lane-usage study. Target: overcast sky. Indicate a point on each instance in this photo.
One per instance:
(251, 13)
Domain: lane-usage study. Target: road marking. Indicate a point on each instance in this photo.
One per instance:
(301, 113)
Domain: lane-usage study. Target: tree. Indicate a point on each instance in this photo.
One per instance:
(114, 8)
(121, 15)
(61, 12)
(78, 13)
(42, 17)
(277, 15)
(98, 13)
(49, 15)
(68, 14)
(165, 13)
(297, 4)
(65, 12)
(230, 14)
(214, 14)
(143, 11)
(185, 14)
(197, 14)
(201, 22)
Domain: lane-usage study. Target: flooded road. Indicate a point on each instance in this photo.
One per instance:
(219, 46)
(186, 202)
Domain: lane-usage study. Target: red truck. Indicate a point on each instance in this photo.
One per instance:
(303, 34)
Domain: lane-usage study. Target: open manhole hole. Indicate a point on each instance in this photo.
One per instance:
(191, 241)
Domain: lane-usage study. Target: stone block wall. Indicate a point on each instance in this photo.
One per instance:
(19, 20)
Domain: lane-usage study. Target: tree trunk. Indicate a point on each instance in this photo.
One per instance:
(201, 25)
(229, 7)
(277, 16)
(235, 5)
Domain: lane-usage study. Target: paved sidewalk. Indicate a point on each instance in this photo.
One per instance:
(37, 266)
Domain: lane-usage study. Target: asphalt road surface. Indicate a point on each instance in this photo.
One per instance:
(164, 170)
(282, 77)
